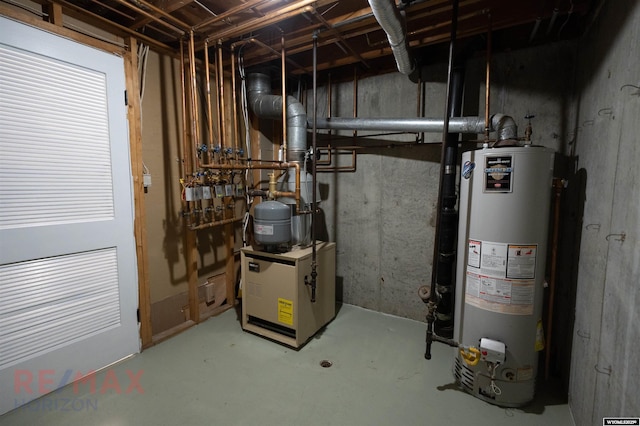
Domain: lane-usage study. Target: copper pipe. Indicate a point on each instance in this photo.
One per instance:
(236, 127)
(487, 115)
(240, 8)
(186, 156)
(223, 132)
(194, 98)
(209, 109)
(162, 13)
(329, 102)
(272, 166)
(558, 186)
(351, 168)
(216, 223)
(217, 79)
(284, 101)
(264, 21)
(419, 104)
(355, 98)
(328, 161)
(150, 16)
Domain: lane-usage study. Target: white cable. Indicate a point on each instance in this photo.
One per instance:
(492, 369)
(245, 116)
(244, 104)
(143, 55)
(245, 225)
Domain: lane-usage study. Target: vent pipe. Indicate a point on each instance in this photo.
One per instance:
(504, 125)
(266, 105)
(388, 16)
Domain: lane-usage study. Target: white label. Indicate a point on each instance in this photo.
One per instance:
(500, 276)
(494, 259)
(264, 229)
(514, 297)
(521, 261)
(473, 284)
(206, 193)
(473, 258)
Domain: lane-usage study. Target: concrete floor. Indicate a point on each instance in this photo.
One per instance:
(215, 374)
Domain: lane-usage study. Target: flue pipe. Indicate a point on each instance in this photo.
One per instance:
(388, 16)
(504, 125)
(284, 98)
(266, 105)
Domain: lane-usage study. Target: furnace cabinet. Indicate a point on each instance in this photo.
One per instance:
(276, 301)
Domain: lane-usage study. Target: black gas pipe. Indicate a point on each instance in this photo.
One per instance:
(441, 300)
(314, 272)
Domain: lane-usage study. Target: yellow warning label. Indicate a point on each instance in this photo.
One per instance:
(285, 311)
(539, 336)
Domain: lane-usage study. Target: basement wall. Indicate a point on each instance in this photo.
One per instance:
(606, 339)
(383, 216)
(162, 136)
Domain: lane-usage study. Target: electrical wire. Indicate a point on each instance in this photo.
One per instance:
(143, 55)
(492, 370)
(244, 107)
(566, 20)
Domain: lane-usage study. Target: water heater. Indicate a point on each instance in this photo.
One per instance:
(502, 243)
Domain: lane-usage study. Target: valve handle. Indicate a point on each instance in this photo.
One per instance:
(472, 357)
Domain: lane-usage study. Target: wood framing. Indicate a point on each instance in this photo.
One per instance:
(34, 21)
(140, 229)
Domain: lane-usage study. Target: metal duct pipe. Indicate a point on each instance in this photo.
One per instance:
(266, 105)
(388, 16)
(503, 124)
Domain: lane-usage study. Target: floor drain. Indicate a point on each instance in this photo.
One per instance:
(325, 363)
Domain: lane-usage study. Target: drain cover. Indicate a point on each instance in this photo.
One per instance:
(325, 363)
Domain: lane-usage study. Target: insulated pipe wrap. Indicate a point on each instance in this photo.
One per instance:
(389, 18)
(503, 124)
(266, 105)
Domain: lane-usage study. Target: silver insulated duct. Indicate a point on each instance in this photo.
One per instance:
(266, 105)
(388, 16)
(502, 124)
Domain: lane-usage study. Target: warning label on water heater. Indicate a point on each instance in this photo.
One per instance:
(500, 277)
(498, 173)
(521, 261)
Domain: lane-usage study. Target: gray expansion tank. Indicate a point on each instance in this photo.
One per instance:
(272, 223)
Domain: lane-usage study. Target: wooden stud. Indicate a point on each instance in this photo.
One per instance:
(191, 255)
(190, 248)
(54, 10)
(230, 265)
(140, 228)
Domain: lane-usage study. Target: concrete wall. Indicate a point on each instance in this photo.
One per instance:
(606, 340)
(382, 217)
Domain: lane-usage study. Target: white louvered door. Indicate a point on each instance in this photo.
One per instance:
(68, 282)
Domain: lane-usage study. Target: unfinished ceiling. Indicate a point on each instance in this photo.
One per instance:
(348, 33)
